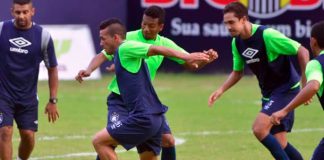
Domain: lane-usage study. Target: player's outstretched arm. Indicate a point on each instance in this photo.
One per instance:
(303, 96)
(51, 108)
(213, 55)
(303, 58)
(168, 52)
(93, 65)
(232, 79)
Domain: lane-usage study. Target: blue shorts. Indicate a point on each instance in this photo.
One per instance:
(165, 126)
(141, 131)
(24, 113)
(275, 103)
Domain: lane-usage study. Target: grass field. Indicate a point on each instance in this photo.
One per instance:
(219, 133)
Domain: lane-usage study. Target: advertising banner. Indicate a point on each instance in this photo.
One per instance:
(74, 50)
(198, 24)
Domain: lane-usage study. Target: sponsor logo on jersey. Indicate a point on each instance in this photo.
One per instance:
(250, 53)
(20, 43)
(257, 8)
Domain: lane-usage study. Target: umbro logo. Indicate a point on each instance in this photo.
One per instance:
(20, 42)
(250, 52)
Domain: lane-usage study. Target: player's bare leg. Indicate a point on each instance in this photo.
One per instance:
(261, 130)
(148, 156)
(26, 144)
(168, 147)
(6, 143)
(168, 140)
(291, 151)
(261, 126)
(105, 145)
(282, 138)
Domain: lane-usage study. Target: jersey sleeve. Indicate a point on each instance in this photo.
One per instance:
(238, 62)
(314, 71)
(49, 55)
(277, 43)
(131, 54)
(170, 44)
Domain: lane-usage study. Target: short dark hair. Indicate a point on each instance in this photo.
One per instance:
(22, 2)
(318, 33)
(238, 9)
(115, 27)
(155, 12)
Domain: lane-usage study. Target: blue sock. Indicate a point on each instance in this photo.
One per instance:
(168, 153)
(97, 158)
(292, 152)
(271, 143)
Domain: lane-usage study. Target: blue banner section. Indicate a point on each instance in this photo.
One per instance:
(197, 24)
(73, 12)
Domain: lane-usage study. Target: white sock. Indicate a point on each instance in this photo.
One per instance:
(18, 158)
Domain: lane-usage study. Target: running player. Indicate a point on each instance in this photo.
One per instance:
(139, 121)
(267, 53)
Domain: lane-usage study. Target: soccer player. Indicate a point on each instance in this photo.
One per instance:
(23, 45)
(267, 53)
(152, 25)
(140, 122)
(314, 75)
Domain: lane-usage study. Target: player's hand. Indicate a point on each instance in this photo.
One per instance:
(52, 112)
(111, 68)
(213, 97)
(81, 75)
(309, 101)
(277, 117)
(196, 57)
(213, 55)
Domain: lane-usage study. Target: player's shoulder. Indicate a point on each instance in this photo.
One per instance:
(132, 35)
(130, 43)
(268, 31)
(164, 40)
(313, 64)
(38, 29)
(6, 23)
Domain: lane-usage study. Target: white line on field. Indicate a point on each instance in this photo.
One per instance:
(200, 133)
(72, 155)
(179, 141)
(206, 133)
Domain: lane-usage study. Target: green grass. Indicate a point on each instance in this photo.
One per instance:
(226, 126)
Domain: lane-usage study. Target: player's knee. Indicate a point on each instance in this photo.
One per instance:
(168, 140)
(5, 134)
(96, 141)
(259, 132)
(27, 136)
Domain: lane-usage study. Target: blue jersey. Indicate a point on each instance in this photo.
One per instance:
(276, 75)
(133, 80)
(21, 52)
